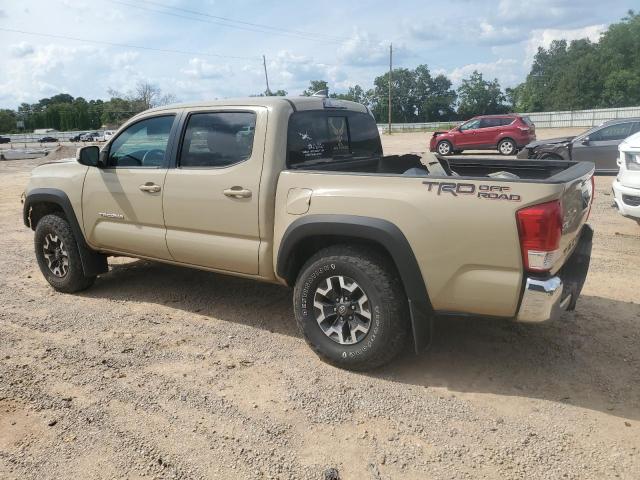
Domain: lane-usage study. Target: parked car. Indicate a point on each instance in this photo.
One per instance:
(106, 135)
(374, 246)
(47, 139)
(626, 187)
(77, 137)
(598, 145)
(505, 133)
(5, 140)
(90, 137)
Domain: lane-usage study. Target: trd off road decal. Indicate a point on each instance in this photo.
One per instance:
(489, 192)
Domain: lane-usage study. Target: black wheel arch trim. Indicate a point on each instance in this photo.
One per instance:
(378, 231)
(93, 263)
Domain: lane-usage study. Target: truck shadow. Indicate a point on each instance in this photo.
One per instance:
(589, 358)
(199, 292)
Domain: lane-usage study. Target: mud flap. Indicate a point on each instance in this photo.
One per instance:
(574, 272)
(421, 325)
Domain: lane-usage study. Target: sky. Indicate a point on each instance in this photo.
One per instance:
(211, 49)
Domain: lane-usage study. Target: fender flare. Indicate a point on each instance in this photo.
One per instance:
(93, 263)
(378, 231)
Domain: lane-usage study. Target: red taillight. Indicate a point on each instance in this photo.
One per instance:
(593, 195)
(540, 230)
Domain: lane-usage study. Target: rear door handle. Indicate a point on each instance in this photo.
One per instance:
(237, 192)
(150, 187)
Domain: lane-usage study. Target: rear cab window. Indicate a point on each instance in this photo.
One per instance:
(331, 137)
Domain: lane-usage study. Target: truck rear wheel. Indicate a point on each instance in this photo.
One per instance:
(351, 307)
(58, 256)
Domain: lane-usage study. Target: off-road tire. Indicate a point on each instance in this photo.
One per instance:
(376, 275)
(74, 280)
(502, 147)
(441, 147)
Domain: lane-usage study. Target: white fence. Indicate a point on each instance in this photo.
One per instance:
(571, 118)
(580, 118)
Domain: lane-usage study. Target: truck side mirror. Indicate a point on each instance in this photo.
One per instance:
(88, 156)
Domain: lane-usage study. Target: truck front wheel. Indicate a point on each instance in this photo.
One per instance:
(351, 307)
(58, 256)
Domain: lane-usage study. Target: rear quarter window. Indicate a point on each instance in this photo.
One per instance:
(528, 121)
(331, 136)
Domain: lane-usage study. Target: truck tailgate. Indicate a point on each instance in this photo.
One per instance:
(576, 203)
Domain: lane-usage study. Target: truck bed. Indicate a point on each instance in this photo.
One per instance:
(545, 171)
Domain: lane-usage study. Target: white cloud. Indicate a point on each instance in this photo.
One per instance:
(504, 69)
(199, 68)
(21, 49)
(361, 49)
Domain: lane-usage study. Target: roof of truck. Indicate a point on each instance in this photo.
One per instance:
(296, 103)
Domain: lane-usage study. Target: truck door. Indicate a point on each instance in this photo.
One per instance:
(211, 197)
(122, 202)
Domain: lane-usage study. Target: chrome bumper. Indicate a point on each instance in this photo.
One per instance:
(542, 300)
(546, 298)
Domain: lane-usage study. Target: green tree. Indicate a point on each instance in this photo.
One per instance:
(8, 120)
(582, 74)
(355, 94)
(315, 86)
(478, 96)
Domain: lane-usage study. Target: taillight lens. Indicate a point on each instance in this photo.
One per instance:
(593, 194)
(540, 230)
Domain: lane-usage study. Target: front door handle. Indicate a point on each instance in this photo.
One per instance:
(237, 192)
(150, 187)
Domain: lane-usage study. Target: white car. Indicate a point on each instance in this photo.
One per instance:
(106, 136)
(626, 187)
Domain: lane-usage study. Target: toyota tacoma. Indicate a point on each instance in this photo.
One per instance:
(297, 191)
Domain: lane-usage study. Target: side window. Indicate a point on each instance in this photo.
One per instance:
(490, 122)
(619, 131)
(506, 121)
(143, 144)
(217, 139)
(470, 125)
(635, 128)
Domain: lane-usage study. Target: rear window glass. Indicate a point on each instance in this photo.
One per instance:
(331, 136)
(528, 121)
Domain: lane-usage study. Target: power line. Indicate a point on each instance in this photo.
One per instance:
(123, 45)
(204, 20)
(259, 25)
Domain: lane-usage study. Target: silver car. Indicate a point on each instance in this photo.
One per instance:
(598, 145)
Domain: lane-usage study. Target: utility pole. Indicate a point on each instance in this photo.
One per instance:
(266, 77)
(390, 70)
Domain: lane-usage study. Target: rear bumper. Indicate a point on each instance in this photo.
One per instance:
(545, 298)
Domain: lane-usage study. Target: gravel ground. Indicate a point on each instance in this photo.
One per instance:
(164, 372)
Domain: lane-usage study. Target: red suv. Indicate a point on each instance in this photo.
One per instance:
(506, 133)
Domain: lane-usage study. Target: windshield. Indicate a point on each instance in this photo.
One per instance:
(330, 136)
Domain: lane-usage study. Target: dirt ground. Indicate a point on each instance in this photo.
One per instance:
(165, 372)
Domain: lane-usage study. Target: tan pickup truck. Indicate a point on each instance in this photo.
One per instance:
(297, 191)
